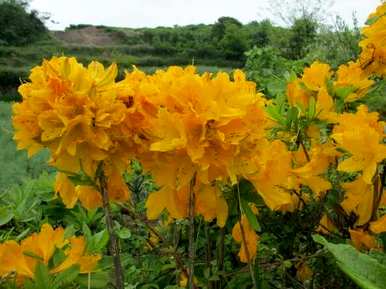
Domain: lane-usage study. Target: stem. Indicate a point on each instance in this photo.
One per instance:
(191, 214)
(220, 256)
(378, 192)
(130, 211)
(113, 244)
(244, 240)
(305, 151)
(208, 252)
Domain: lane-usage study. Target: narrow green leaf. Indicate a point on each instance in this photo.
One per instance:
(250, 216)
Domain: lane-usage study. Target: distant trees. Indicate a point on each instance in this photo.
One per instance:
(17, 25)
(302, 33)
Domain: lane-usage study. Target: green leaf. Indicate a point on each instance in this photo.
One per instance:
(343, 92)
(6, 215)
(292, 116)
(275, 113)
(250, 216)
(312, 108)
(67, 276)
(97, 280)
(124, 233)
(365, 270)
(69, 232)
(100, 240)
(42, 277)
(372, 20)
(58, 257)
(86, 232)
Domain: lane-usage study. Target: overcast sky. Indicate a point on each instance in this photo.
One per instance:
(152, 13)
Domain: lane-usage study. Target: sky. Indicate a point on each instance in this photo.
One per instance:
(153, 13)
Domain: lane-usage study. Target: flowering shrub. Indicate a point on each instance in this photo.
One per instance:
(203, 137)
(49, 248)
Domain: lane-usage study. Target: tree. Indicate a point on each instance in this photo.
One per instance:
(219, 28)
(261, 37)
(302, 34)
(234, 43)
(17, 26)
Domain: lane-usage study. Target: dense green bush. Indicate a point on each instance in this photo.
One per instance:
(19, 27)
(269, 69)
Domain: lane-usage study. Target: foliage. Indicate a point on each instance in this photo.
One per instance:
(340, 36)
(368, 271)
(19, 27)
(199, 180)
(302, 34)
(15, 166)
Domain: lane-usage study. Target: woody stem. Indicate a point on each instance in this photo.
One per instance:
(113, 244)
(191, 214)
(305, 150)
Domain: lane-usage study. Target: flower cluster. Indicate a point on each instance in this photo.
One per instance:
(373, 55)
(19, 260)
(200, 133)
(322, 88)
(76, 113)
(198, 129)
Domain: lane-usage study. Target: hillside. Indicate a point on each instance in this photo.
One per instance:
(146, 48)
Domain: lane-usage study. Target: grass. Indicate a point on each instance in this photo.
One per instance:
(15, 165)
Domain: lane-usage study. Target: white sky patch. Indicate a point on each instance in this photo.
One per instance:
(153, 13)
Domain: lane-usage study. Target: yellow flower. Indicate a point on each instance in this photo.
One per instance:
(361, 135)
(373, 55)
(326, 225)
(303, 272)
(249, 245)
(78, 113)
(196, 125)
(12, 259)
(21, 259)
(315, 77)
(75, 254)
(380, 11)
(272, 178)
(297, 95)
(66, 190)
(88, 263)
(211, 204)
(352, 76)
(310, 173)
(359, 198)
(363, 240)
(44, 243)
(378, 226)
(89, 197)
(325, 106)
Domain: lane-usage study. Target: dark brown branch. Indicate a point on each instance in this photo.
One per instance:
(113, 244)
(191, 214)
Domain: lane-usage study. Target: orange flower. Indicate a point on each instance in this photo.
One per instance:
(249, 245)
(363, 240)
